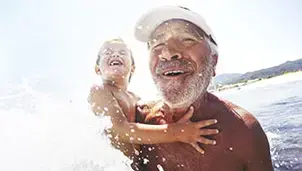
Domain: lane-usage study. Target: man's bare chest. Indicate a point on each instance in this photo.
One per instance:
(182, 157)
(223, 156)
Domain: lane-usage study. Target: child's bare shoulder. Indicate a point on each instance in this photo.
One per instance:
(99, 88)
(134, 96)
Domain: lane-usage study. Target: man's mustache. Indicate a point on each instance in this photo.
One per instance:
(175, 63)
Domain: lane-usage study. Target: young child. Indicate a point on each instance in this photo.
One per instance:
(115, 65)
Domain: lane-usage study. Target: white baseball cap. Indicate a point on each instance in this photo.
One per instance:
(149, 21)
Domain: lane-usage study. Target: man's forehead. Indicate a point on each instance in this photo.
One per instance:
(174, 26)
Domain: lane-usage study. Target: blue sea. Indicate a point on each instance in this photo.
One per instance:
(278, 108)
(43, 131)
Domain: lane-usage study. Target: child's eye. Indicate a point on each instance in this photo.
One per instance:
(122, 52)
(107, 51)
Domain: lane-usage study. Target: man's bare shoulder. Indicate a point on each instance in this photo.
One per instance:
(248, 118)
(249, 133)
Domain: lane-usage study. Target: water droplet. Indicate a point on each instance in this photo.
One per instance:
(132, 130)
(163, 159)
(106, 109)
(165, 130)
(154, 40)
(117, 111)
(139, 27)
(150, 149)
(146, 161)
(131, 138)
(139, 139)
(159, 167)
(200, 75)
(178, 165)
(136, 152)
(277, 165)
(231, 148)
(182, 130)
(127, 135)
(182, 165)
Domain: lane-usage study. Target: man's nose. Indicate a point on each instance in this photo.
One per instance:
(171, 52)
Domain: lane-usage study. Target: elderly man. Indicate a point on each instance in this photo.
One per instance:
(183, 57)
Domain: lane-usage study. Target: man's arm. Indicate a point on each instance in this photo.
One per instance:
(259, 158)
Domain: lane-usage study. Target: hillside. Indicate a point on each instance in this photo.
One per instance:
(223, 78)
(289, 66)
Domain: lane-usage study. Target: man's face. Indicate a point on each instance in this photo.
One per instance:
(180, 62)
(115, 61)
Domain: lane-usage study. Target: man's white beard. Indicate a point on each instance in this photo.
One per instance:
(183, 93)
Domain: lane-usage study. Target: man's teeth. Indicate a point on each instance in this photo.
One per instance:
(169, 73)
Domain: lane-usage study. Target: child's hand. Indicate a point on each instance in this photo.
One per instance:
(191, 132)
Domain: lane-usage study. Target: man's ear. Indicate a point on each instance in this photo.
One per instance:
(215, 60)
(97, 70)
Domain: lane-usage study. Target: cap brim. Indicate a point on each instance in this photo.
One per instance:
(149, 21)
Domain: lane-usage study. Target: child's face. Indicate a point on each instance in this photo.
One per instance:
(115, 61)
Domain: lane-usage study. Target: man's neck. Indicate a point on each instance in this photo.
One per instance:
(178, 113)
(119, 84)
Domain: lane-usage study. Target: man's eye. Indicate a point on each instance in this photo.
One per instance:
(158, 46)
(188, 40)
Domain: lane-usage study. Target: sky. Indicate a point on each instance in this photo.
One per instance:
(59, 39)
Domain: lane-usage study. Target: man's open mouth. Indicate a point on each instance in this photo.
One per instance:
(173, 73)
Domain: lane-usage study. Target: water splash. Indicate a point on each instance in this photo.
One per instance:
(40, 131)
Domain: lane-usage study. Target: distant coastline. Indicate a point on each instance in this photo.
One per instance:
(249, 82)
(238, 80)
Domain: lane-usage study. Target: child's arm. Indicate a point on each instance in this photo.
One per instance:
(104, 103)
